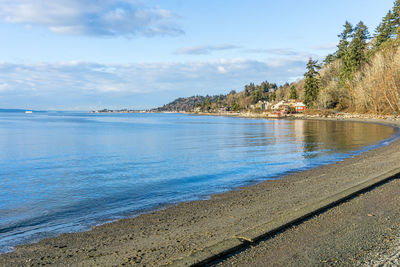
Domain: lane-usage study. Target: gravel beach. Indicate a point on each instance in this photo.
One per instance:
(163, 236)
(364, 231)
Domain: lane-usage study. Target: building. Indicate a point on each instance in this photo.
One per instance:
(267, 105)
(261, 105)
(300, 107)
(278, 105)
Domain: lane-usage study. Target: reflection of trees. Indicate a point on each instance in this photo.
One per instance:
(310, 140)
(341, 136)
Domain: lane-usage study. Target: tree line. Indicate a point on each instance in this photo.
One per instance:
(347, 68)
(362, 75)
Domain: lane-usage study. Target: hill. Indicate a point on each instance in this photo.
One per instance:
(362, 76)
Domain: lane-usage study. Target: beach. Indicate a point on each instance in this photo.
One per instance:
(175, 232)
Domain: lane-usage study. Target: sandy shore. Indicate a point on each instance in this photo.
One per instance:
(160, 237)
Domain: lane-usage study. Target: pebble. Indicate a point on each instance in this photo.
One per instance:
(387, 259)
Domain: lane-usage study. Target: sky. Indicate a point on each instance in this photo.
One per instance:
(94, 54)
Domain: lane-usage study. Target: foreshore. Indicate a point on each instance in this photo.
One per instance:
(161, 237)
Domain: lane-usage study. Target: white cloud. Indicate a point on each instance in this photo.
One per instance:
(4, 86)
(274, 51)
(91, 17)
(278, 57)
(221, 69)
(327, 46)
(204, 49)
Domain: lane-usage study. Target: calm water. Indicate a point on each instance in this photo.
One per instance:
(65, 172)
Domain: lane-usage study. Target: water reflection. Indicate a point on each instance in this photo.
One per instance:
(337, 136)
(66, 172)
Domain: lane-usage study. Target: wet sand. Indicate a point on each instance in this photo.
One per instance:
(161, 237)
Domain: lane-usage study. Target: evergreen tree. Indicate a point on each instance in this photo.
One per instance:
(236, 107)
(344, 40)
(329, 59)
(252, 87)
(272, 96)
(273, 86)
(385, 30)
(311, 83)
(293, 93)
(395, 22)
(257, 96)
(206, 104)
(356, 52)
(389, 28)
(265, 86)
(247, 90)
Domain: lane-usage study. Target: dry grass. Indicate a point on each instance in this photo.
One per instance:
(375, 89)
(377, 84)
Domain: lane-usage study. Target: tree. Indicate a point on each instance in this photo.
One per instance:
(272, 96)
(385, 30)
(293, 93)
(206, 104)
(257, 95)
(264, 87)
(329, 59)
(236, 107)
(395, 22)
(389, 28)
(344, 39)
(247, 90)
(311, 82)
(356, 52)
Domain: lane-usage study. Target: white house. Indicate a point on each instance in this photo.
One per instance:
(278, 105)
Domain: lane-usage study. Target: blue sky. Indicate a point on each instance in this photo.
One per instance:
(91, 54)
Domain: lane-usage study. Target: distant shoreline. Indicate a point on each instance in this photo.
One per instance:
(272, 115)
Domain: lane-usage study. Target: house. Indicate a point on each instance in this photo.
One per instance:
(278, 105)
(266, 105)
(261, 105)
(292, 103)
(300, 107)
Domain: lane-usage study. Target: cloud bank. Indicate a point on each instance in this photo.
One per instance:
(91, 85)
(275, 51)
(91, 17)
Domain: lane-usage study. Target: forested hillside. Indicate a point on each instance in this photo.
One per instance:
(362, 76)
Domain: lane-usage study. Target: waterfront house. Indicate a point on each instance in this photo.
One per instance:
(300, 107)
(266, 105)
(278, 105)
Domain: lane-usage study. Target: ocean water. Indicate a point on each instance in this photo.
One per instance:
(65, 172)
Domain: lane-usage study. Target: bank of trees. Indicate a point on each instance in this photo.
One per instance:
(362, 75)
(233, 101)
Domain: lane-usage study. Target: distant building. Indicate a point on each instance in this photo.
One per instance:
(300, 107)
(261, 105)
(278, 105)
(266, 105)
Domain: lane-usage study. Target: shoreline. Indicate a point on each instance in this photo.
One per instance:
(165, 235)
